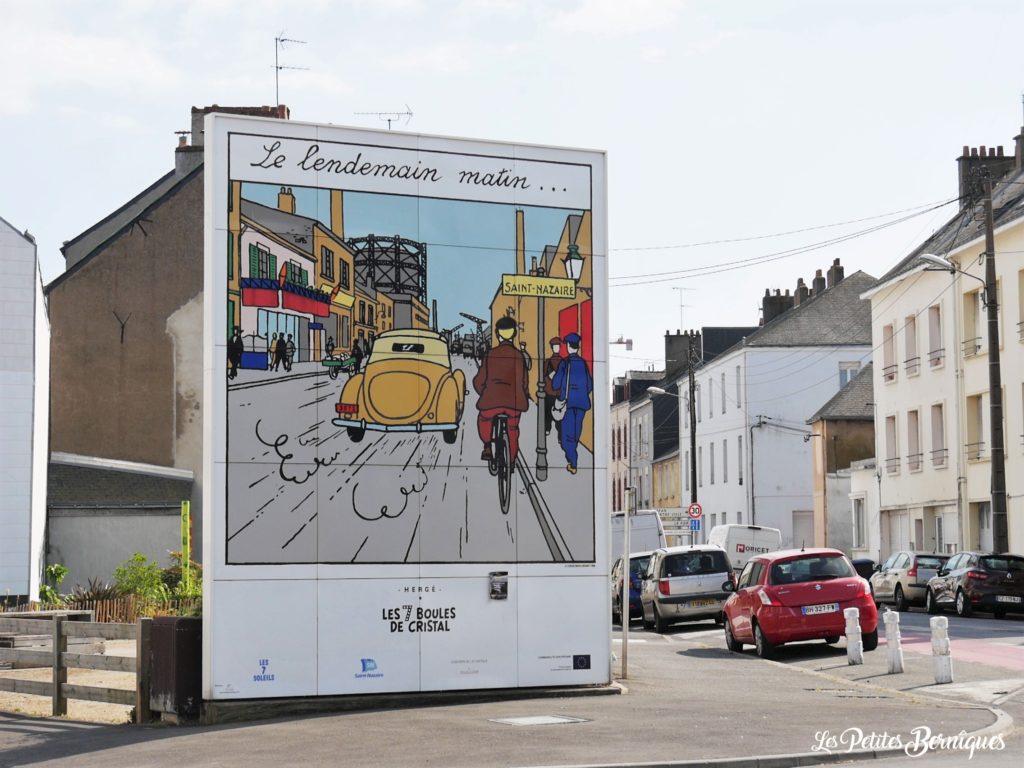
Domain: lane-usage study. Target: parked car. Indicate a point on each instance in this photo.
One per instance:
(688, 583)
(741, 542)
(903, 579)
(407, 385)
(637, 567)
(978, 581)
(782, 597)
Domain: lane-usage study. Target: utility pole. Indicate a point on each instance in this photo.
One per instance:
(995, 384)
(690, 366)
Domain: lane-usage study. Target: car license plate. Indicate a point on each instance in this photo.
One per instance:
(701, 603)
(826, 608)
(1007, 599)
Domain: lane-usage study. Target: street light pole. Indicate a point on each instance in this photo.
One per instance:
(626, 573)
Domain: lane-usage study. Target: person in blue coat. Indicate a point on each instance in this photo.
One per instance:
(574, 384)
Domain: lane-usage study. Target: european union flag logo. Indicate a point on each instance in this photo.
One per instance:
(369, 665)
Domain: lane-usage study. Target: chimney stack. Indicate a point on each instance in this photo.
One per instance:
(774, 305)
(286, 200)
(802, 292)
(835, 273)
(818, 284)
(992, 158)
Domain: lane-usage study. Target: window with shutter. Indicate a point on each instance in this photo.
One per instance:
(254, 261)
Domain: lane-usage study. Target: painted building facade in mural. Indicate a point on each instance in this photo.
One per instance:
(405, 385)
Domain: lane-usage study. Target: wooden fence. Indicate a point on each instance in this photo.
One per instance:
(125, 610)
(60, 660)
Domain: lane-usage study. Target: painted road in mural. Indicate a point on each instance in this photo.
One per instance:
(303, 491)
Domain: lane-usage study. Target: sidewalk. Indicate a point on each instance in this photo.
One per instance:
(686, 699)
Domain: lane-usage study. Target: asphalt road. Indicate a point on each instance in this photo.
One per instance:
(301, 491)
(688, 699)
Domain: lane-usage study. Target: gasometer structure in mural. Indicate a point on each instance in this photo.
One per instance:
(406, 411)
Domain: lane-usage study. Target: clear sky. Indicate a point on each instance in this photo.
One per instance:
(722, 120)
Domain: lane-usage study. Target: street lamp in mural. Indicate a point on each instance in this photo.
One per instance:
(573, 263)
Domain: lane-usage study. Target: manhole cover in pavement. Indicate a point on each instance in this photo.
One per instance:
(538, 720)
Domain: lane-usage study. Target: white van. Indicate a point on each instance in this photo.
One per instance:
(741, 542)
(646, 532)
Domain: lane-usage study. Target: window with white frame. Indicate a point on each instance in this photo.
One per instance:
(859, 524)
(700, 466)
(975, 414)
(723, 391)
(914, 456)
(889, 366)
(847, 371)
(911, 359)
(939, 452)
(711, 461)
(738, 388)
(711, 399)
(892, 449)
(740, 463)
(936, 350)
(725, 460)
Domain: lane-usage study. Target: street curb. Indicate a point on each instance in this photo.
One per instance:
(1003, 723)
(243, 710)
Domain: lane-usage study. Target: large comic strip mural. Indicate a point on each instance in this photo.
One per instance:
(405, 373)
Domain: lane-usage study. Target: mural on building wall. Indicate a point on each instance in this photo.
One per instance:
(409, 378)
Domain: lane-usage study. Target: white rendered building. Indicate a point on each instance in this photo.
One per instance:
(24, 424)
(754, 463)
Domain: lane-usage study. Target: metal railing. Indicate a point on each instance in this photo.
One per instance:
(939, 457)
(972, 346)
(912, 366)
(936, 357)
(915, 461)
(892, 466)
(975, 451)
(1020, 331)
(889, 372)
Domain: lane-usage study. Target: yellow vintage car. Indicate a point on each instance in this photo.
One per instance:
(407, 385)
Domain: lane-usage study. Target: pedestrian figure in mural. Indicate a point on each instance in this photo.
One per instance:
(550, 393)
(503, 387)
(272, 349)
(280, 353)
(330, 347)
(235, 349)
(289, 353)
(357, 355)
(574, 385)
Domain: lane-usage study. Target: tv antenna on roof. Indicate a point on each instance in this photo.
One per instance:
(279, 43)
(390, 117)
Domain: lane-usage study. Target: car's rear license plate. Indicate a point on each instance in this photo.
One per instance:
(1007, 599)
(701, 603)
(826, 608)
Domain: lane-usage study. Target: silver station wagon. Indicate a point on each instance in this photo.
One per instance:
(686, 584)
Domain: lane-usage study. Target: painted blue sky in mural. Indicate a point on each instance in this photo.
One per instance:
(451, 229)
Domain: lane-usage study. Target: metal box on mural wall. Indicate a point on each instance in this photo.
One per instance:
(176, 666)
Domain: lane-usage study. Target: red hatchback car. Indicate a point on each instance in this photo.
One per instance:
(792, 595)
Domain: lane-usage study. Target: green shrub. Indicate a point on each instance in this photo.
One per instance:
(96, 590)
(140, 576)
(53, 575)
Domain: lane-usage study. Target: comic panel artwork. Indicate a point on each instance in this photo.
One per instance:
(409, 379)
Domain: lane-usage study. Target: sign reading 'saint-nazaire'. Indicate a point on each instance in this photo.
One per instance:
(538, 287)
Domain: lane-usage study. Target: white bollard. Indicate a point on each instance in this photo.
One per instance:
(892, 642)
(940, 649)
(854, 642)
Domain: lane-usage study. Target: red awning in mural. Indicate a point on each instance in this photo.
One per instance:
(299, 303)
(259, 297)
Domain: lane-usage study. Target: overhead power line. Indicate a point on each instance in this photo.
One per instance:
(729, 266)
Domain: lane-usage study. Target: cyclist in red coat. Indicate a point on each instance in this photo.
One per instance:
(503, 386)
